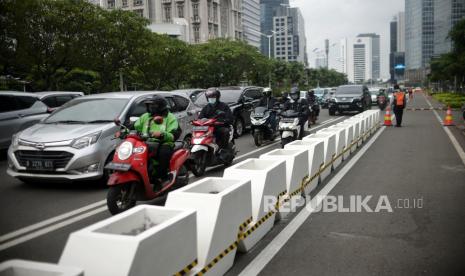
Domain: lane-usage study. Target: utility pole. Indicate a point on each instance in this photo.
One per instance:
(327, 52)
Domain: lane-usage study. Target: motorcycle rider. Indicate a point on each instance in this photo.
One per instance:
(313, 102)
(269, 102)
(300, 105)
(163, 127)
(221, 111)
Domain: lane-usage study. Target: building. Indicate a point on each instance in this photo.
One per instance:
(400, 32)
(320, 60)
(446, 14)
(202, 19)
(362, 53)
(290, 43)
(251, 22)
(397, 48)
(375, 53)
(268, 10)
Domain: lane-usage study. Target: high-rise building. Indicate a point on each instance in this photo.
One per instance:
(446, 14)
(320, 60)
(204, 19)
(268, 9)
(375, 52)
(400, 32)
(251, 22)
(397, 54)
(290, 43)
(362, 52)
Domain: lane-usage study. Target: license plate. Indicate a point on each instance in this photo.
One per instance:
(344, 106)
(40, 165)
(200, 128)
(118, 167)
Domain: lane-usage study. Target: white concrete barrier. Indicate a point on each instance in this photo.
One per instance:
(329, 140)
(316, 158)
(340, 134)
(359, 129)
(30, 268)
(355, 132)
(145, 240)
(349, 138)
(268, 179)
(296, 171)
(222, 206)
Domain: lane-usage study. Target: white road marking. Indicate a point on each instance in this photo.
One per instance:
(454, 141)
(267, 254)
(50, 228)
(87, 210)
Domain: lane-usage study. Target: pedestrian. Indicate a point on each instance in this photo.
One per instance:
(398, 104)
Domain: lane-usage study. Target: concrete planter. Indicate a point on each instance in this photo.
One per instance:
(358, 129)
(349, 137)
(268, 179)
(145, 240)
(296, 171)
(316, 158)
(29, 268)
(222, 205)
(341, 142)
(329, 140)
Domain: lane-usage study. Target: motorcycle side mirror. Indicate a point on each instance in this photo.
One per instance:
(117, 121)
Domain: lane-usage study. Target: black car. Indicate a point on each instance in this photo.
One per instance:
(350, 98)
(241, 100)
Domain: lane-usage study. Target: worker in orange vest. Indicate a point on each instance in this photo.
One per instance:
(399, 101)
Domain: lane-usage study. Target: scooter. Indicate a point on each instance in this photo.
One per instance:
(130, 180)
(382, 102)
(314, 113)
(262, 129)
(205, 152)
(289, 127)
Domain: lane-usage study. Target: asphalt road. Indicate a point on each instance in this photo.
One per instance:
(408, 165)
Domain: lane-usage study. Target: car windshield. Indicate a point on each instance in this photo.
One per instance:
(349, 90)
(227, 96)
(88, 111)
(319, 92)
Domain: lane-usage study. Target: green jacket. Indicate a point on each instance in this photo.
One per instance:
(169, 127)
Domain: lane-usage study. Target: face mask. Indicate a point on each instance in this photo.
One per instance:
(211, 100)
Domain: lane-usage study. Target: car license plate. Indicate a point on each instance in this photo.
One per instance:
(344, 106)
(40, 165)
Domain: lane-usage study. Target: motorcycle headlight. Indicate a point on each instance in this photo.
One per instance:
(85, 141)
(124, 150)
(296, 121)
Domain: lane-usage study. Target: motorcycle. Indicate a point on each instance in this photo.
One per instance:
(382, 102)
(205, 152)
(314, 113)
(262, 129)
(130, 180)
(289, 127)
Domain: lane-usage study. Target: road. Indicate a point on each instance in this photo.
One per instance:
(417, 168)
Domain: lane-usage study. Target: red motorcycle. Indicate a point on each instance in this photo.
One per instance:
(130, 180)
(382, 102)
(205, 152)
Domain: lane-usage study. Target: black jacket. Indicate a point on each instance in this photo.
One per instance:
(211, 110)
(267, 102)
(299, 106)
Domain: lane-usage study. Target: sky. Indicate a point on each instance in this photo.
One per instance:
(337, 19)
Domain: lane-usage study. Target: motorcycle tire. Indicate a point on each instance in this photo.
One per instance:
(199, 164)
(285, 141)
(183, 177)
(116, 202)
(258, 138)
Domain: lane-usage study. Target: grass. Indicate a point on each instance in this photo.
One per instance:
(453, 100)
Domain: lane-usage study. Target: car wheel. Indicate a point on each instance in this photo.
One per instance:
(238, 128)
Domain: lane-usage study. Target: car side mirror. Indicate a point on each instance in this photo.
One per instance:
(117, 121)
(247, 99)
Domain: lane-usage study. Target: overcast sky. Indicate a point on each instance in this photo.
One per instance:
(336, 19)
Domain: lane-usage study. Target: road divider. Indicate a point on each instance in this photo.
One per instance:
(30, 268)
(224, 209)
(348, 137)
(329, 142)
(145, 240)
(340, 134)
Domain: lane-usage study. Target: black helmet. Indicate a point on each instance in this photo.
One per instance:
(213, 92)
(157, 106)
(311, 92)
(295, 94)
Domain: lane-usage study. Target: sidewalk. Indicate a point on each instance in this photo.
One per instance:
(414, 162)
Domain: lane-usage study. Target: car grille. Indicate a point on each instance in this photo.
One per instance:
(60, 158)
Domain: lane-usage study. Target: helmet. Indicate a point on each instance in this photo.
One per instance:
(396, 87)
(267, 92)
(213, 93)
(157, 106)
(295, 94)
(311, 92)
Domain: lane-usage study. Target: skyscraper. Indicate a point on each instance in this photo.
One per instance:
(375, 67)
(251, 22)
(268, 10)
(397, 54)
(400, 32)
(446, 14)
(290, 43)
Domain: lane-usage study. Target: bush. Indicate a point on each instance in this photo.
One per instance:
(453, 100)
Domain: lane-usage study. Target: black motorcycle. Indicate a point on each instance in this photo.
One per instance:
(263, 127)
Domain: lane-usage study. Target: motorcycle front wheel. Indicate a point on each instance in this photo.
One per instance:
(258, 138)
(199, 163)
(120, 198)
(285, 141)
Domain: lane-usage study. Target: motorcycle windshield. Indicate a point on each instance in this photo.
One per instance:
(290, 114)
(259, 111)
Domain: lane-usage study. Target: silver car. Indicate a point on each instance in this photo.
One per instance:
(55, 99)
(18, 110)
(77, 140)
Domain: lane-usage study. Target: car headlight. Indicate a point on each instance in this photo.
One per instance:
(124, 150)
(85, 141)
(15, 140)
